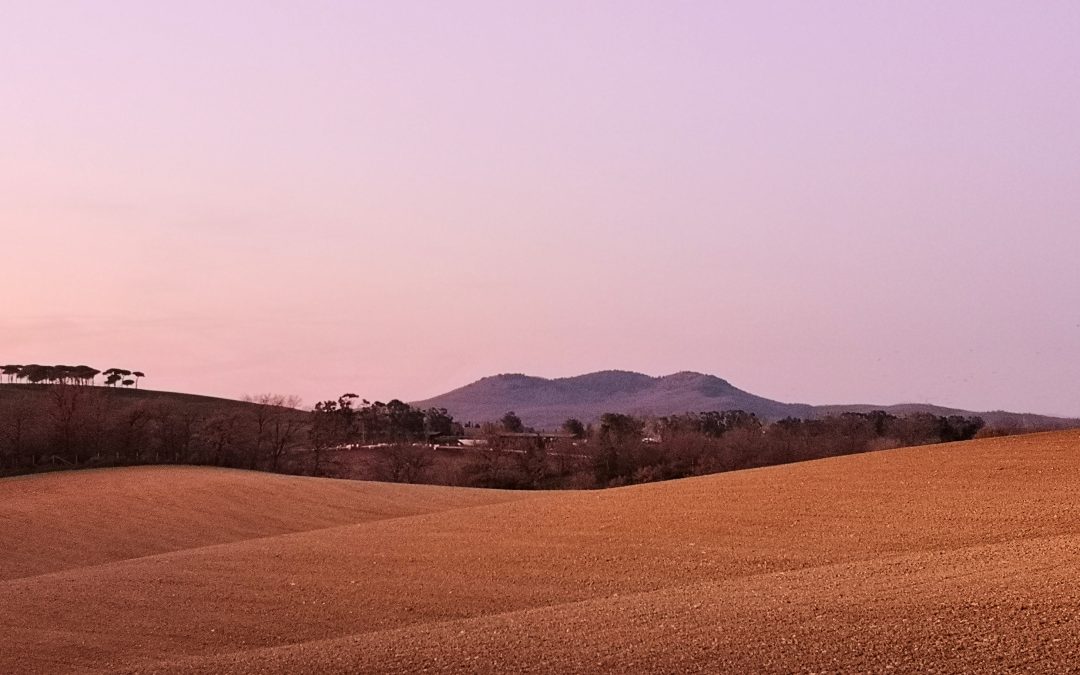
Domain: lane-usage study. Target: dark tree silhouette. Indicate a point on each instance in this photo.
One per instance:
(574, 427)
(438, 422)
(512, 423)
(61, 374)
(86, 374)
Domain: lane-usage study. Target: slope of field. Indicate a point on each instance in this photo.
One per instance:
(948, 558)
(57, 521)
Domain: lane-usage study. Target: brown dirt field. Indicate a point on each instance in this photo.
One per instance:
(947, 558)
(57, 521)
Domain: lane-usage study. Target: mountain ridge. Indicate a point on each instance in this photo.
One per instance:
(545, 403)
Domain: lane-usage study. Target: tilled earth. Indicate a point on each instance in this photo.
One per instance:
(948, 558)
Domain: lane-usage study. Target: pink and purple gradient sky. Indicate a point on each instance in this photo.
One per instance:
(822, 202)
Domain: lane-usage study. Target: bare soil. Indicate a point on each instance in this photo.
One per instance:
(947, 558)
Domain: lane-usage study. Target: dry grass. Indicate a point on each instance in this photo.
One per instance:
(960, 557)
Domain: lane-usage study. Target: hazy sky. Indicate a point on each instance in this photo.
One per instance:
(822, 202)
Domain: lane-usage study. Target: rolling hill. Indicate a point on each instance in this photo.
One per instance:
(958, 557)
(14, 394)
(547, 403)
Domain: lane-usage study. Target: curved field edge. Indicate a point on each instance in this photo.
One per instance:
(66, 520)
(554, 549)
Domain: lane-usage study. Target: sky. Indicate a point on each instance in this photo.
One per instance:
(829, 202)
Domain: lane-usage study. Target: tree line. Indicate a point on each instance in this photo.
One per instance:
(351, 421)
(633, 450)
(623, 449)
(38, 374)
(73, 425)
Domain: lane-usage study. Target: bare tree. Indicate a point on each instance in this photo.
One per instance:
(276, 426)
(17, 425)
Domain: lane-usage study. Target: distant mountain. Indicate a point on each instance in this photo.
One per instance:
(545, 403)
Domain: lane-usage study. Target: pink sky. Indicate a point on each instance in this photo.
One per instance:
(821, 202)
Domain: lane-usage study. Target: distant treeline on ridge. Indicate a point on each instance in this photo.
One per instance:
(37, 374)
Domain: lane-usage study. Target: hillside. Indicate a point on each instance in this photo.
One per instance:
(1002, 419)
(547, 403)
(11, 394)
(45, 426)
(955, 557)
